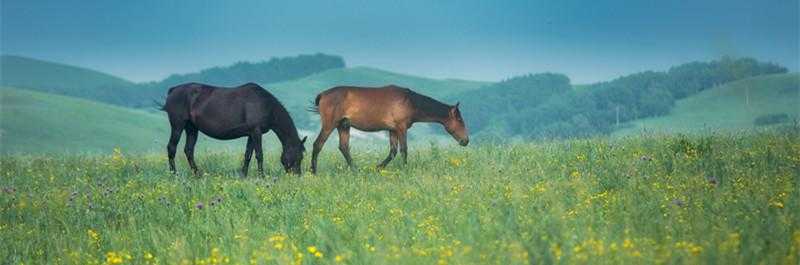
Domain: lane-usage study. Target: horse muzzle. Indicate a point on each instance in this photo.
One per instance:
(464, 142)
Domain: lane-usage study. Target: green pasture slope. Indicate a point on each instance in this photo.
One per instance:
(305, 89)
(62, 79)
(722, 199)
(34, 122)
(725, 108)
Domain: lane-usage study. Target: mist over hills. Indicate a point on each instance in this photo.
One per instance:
(544, 105)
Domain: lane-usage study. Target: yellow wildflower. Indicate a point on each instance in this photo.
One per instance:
(113, 258)
(93, 235)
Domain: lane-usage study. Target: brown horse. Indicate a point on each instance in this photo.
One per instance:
(229, 113)
(373, 109)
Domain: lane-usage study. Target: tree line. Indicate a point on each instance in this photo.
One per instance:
(263, 73)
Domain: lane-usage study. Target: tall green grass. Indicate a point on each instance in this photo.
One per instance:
(727, 199)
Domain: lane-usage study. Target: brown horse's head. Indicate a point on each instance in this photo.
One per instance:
(292, 157)
(455, 126)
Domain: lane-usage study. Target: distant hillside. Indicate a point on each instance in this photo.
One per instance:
(74, 81)
(300, 93)
(727, 107)
(40, 122)
(535, 106)
(491, 107)
(62, 79)
(35, 122)
(265, 72)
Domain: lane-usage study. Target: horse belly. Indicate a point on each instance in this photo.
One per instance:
(368, 122)
(217, 127)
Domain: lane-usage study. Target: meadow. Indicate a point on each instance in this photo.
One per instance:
(719, 198)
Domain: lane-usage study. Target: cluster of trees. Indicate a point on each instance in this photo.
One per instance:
(274, 70)
(265, 72)
(492, 108)
(546, 105)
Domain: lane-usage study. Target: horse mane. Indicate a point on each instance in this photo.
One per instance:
(280, 115)
(427, 106)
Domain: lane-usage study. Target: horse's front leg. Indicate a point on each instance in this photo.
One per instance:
(401, 137)
(259, 154)
(392, 149)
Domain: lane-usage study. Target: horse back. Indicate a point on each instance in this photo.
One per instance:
(367, 108)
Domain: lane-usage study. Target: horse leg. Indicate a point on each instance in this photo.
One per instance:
(344, 143)
(321, 138)
(392, 149)
(401, 135)
(188, 148)
(172, 146)
(248, 153)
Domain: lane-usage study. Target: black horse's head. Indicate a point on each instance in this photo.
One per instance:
(292, 157)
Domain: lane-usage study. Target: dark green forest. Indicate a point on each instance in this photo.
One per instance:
(547, 106)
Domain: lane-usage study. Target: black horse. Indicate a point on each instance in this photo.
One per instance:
(230, 113)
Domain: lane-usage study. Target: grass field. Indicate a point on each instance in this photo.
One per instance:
(726, 199)
(726, 108)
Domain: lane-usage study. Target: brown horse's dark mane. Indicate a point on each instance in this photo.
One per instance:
(427, 108)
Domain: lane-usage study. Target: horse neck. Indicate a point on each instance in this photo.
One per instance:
(284, 128)
(428, 109)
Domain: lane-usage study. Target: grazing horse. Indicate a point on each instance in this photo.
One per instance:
(373, 109)
(229, 113)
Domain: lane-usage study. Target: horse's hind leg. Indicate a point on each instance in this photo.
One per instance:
(188, 149)
(174, 138)
(344, 141)
(392, 149)
(248, 153)
(321, 138)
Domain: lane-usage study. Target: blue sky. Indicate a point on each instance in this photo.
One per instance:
(481, 40)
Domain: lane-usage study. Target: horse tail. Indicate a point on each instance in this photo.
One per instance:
(159, 105)
(315, 108)
(162, 106)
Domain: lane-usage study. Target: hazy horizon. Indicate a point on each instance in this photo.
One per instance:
(589, 42)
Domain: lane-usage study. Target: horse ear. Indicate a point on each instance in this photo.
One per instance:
(458, 103)
(304, 140)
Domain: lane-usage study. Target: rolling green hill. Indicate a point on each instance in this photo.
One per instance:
(303, 88)
(298, 94)
(62, 79)
(33, 122)
(726, 108)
